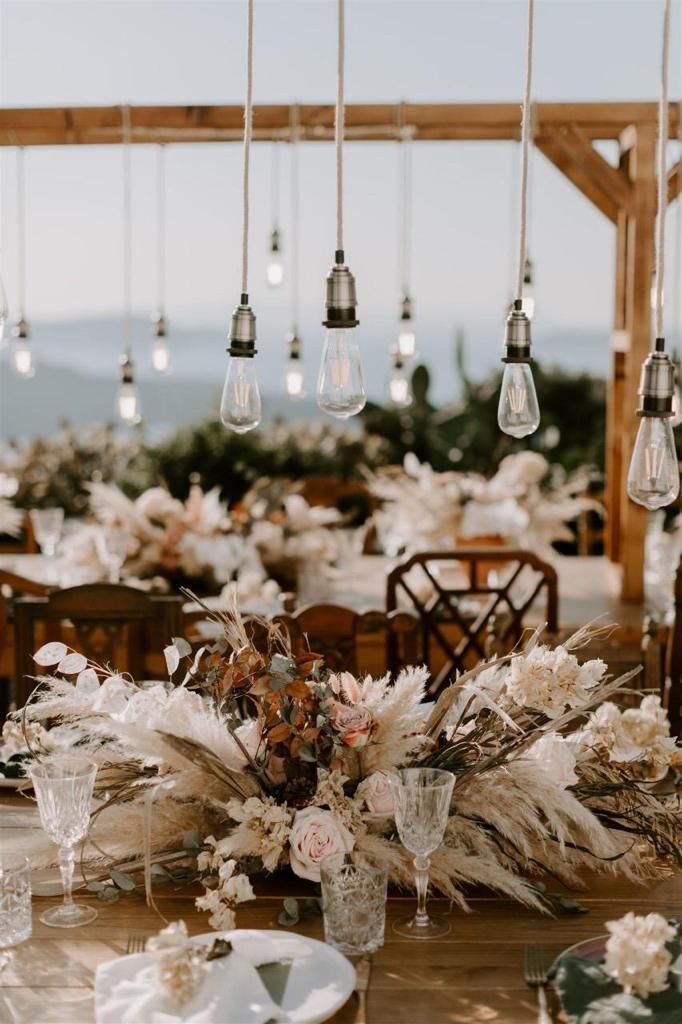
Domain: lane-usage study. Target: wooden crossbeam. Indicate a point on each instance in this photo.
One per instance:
(674, 181)
(68, 126)
(573, 153)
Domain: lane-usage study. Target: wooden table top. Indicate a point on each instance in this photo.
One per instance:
(474, 974)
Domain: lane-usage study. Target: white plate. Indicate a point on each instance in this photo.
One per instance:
(325, 972)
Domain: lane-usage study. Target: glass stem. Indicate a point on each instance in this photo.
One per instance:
(421, 871)
(66, 862)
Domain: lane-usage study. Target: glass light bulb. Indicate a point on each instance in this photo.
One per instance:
(399, 388)
(274, 273)
(407, 340)
(518, 413)
(294, 381)
(160, 356)
(654, 475)
(23, 360)
(676, 417)
(128, 403)
(240, 407)
(341, 383)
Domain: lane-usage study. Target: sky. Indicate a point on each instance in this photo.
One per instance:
(85, 52)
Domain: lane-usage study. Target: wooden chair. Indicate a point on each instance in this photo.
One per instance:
(106, 622)
(353, 641)
(12, 586)
(470, 603)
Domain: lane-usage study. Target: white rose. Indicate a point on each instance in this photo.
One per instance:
(636, 953)
(315, 835)
(376, 794)
(555, 756)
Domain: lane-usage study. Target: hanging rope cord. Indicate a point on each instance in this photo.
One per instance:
(21, 239)
(275, 185)
(405, 137)
(295, 196)
(662, 177)
(339, 120)
(127, 231)
(525, 147)
(248, 131)
(160, 229)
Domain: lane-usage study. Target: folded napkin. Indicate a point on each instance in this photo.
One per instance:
(126, 990)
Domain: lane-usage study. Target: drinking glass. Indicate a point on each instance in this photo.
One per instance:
(15, 900)
(112, 548)
(47, 526)
(422, 805)
(354, 905)
(63, 789)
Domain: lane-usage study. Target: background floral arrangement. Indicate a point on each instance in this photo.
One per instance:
(163, 539)
(269, 760)
(522, 503)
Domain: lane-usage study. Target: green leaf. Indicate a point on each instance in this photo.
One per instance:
(312, 906)
(306, 753)
(281, 665)
(95, 886)
(569, 905)
(109, 893)
(290, 914)
(183, 648)
(161, 870)
(191, 841)
(122, 881)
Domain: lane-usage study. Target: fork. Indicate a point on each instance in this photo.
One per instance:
(535, 973)
(136, 943)
(362, 972)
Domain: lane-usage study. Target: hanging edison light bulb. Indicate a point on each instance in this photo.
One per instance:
(128, 400)
(654, 477)
(399, 391)
(240, 406)
(518, 412)
(407, 339)
(23, 356)
(160, 355)
(677, 395)
(294, 379)
(274, 271)
(341, 384)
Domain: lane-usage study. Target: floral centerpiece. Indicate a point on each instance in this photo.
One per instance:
(270, 761)
(288, 533)
(521, 504)
(157, 537)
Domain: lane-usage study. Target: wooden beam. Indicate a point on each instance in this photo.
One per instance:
(674, 181)
(67, 126)
(573, 153)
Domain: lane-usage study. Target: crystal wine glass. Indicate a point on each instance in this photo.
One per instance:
(63, 790)
(422, 805)
(47, 526)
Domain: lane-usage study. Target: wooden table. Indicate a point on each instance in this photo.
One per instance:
(474, 974)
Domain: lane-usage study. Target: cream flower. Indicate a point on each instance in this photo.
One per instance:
(556, 758)
(315, 835)
(377, 794)
(636, 954)
(552, 680)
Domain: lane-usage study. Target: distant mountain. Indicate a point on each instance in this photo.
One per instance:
(77, 371)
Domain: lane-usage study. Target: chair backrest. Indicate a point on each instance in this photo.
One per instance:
(470, 603)
(107, 621)
(353, 641)
(673, 684)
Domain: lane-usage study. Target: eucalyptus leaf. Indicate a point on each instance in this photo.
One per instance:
(281, 665)
(161, 871)
(122, 881)
(290, 914)
(306, 753)
(95, 886)
(109, 893)
(183, 648)
(191, 841)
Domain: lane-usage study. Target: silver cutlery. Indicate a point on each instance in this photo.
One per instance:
(136, 943)
(535, 967)
(362, 972)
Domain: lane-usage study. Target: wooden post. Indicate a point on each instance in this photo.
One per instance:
(636, 263)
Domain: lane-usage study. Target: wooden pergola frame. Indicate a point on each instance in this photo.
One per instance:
(564, 132)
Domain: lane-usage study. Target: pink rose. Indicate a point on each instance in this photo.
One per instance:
(376, 794)
(315, 835)
(354, 724)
